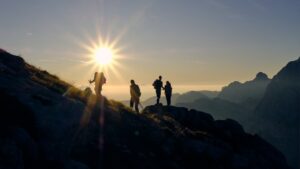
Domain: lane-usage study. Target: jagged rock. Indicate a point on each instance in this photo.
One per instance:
(193, 119)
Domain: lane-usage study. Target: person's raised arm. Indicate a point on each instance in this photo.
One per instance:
(92, 81)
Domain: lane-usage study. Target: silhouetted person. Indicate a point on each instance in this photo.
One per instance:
(158, 85)
(135, 94)
(168, 92)
(99, 80)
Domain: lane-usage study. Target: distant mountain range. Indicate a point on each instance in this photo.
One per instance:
(237, 100)
(268, 107)
(179, 98)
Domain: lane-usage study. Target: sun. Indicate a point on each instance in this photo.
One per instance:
(103, 56)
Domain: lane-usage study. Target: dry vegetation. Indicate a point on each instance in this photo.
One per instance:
(44, 78)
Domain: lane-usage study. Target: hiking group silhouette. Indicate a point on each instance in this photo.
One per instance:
(135, 92)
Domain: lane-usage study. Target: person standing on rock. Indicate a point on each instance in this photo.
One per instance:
(158, 85)
(99, 80)
(168, 92)
(135, 94)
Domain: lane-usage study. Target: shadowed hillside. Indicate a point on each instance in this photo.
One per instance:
(277, 117)
(268, 107)
(46, 123)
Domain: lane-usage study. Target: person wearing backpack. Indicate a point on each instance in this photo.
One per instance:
(158, 85)
(168, 92)
(135, 94)
(99, 80)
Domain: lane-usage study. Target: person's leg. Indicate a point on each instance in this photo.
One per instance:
(100, 89)
(97, 91)
(158, 93)
(137, 102)
(131, 102)
(168, 100)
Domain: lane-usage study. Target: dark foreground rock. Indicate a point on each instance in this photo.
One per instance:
(46, 123)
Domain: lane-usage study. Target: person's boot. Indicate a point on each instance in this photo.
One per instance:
(137, 110)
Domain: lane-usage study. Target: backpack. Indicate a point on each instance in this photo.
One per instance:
(137, 90)
(103, 80)
(157, 84)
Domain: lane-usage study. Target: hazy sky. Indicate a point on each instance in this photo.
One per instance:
(198, 44)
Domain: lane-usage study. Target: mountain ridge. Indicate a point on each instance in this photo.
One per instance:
(47, 123)
(238, 92)
(236, 100)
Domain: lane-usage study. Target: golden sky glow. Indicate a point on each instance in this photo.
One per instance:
(204, 43)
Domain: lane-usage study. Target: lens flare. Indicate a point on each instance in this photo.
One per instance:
(104, 56)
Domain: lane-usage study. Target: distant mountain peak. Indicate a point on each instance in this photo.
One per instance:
(260, 76)
(235, 83)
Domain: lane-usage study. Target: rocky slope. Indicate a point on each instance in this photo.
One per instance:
(277, 117)
(46, 123)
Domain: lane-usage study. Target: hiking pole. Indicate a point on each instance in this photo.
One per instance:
(90, 81)
(141, 105)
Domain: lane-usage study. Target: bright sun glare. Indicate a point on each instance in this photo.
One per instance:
(104, 56)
